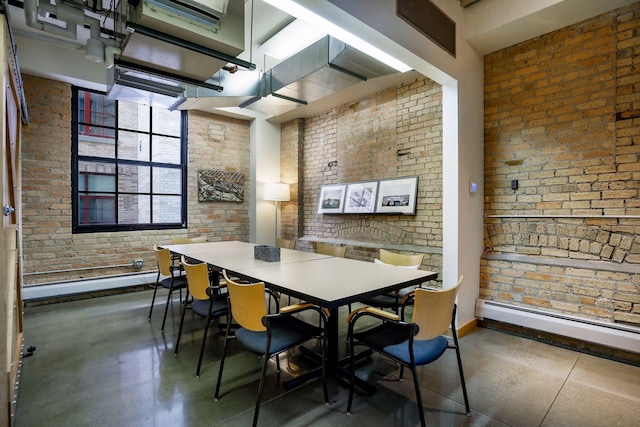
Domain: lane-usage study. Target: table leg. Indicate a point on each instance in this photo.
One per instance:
(336, 367)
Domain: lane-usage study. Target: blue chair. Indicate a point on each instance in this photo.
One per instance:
(414, 343)
(265, 334)
(171, 283)
(207, 301)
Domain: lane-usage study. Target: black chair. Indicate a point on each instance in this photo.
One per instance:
(392, 299)
(267, 334)
(414, 343)
(207, 301)
(171, 283)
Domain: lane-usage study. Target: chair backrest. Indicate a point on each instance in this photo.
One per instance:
(333, 250)
(433, 311)
(248, 305)
(186, 240)
(284, 243)
(197, 279)
(163, 256)
(404, 260)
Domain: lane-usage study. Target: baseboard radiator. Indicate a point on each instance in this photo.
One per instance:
(74, 287)
(623, 337)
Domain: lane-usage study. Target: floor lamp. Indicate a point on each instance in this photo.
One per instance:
(277, 192)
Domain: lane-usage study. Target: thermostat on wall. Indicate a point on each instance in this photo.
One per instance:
(473, 187)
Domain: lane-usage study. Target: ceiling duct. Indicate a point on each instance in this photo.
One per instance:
(323, 68)
(174, 46)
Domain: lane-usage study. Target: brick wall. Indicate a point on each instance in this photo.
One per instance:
(394, 133)
(562, 117)
(215, 142)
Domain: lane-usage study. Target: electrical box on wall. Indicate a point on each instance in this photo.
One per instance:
(514, 184)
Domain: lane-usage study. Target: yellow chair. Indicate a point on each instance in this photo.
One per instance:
(285, 243)
(392, 299)
(171, 283)
(207, 301)
(267, 334)
(333, 250)
(414, 343)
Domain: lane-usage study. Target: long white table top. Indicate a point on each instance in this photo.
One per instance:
(324, 280)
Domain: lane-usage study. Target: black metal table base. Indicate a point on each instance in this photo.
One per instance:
(339, 371)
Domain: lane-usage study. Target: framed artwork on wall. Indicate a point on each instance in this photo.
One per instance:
(361, 197)
(331, 198)
(397, 196)
(220, 186)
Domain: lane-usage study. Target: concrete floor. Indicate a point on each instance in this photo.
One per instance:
(100, 362)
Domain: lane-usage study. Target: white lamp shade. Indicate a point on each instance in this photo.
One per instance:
(276, 191)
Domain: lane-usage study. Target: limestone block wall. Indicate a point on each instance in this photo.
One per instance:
(394, 133)
(562, 118)
(53, 253)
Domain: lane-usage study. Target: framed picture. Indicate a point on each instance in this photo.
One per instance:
(220, 186)
(331, 198)
(397, 196)
(361, 197)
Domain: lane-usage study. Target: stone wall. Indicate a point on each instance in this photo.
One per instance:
(394, 133)
(562, 118)
(52, 253)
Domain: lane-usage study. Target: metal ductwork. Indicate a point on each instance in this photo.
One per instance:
(323, 68)
(170, 47)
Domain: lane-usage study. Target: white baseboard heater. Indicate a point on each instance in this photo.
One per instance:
(612, 335)
(53, 290)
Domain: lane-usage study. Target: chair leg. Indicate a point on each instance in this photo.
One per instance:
(166, 307)
(260, 389)
(184, 310)
(224, 355)
(204, 341)
(416, 384)
(153, 299)
(464, 387)
(324, 369)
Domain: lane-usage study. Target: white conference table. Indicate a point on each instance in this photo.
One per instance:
(327, 281)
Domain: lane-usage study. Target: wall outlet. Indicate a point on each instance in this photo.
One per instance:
(137, 264)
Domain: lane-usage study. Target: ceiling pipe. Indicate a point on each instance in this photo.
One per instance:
(71, 16)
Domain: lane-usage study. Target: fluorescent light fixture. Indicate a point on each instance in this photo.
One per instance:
(276, 191)
(291, 39)
(294, 9)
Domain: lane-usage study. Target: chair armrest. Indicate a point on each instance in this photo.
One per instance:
(213, 290)
(297, 308)
(372, 311)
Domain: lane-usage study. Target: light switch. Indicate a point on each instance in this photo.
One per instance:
(473, 187)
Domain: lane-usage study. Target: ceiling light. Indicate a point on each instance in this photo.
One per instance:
(291, 39)
(303, 14)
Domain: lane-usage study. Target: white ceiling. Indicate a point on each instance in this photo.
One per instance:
(488, 25)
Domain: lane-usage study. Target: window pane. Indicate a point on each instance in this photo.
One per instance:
(96, 141)
(96, 176)
(133, 116)
(167, 181)
(166, 150)
(134, 179)
(96, 208)
(96, 109)
(134, 209)
(133, 146)
(166, 209)
(166, 122)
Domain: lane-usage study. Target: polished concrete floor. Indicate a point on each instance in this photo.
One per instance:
(100, 362)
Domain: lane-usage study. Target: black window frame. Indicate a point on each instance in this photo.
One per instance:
(76, 159)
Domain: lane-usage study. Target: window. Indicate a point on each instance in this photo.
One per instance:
(129, 165)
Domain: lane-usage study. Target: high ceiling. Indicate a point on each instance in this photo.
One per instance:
(488, 25)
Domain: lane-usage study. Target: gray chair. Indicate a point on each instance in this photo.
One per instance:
(172, 282)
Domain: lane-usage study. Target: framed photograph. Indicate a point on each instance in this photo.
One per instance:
(397, 196)
(361, 197)
(331, 199)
